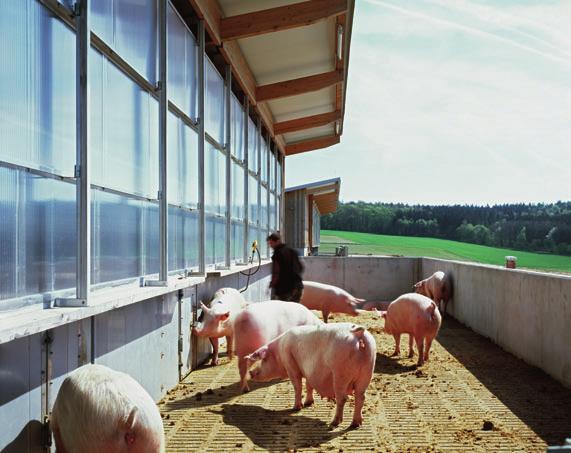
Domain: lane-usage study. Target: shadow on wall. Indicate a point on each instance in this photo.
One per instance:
(535, 398)
(30, 435)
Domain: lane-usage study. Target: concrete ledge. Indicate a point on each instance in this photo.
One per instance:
(32, 319)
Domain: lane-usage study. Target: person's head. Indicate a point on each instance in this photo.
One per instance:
(274, 239)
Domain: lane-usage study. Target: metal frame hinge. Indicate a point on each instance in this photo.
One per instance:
(77, 171)
(76, 9)
(159, 86)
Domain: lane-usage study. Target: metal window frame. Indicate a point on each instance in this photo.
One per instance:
(162, 196)
(201, 139)
(82, 170)
(228, 115)
(246, 180)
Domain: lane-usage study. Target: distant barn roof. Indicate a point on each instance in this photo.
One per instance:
(325, 193)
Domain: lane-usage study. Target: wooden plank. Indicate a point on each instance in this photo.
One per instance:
(280, 18)
(312, 144)
(298, 86)
(307, 122)
(209, 10)
(240, 69)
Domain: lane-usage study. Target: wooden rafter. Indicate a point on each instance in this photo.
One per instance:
(307, 122)
(280, 18)
(298, 86)
(312, 144)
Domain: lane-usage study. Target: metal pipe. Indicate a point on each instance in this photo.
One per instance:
(201, 218)
(228, 164)
(259, 171)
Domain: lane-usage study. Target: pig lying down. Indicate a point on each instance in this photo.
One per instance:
(260, 323)
(101, 410)
(437, 287)
(217, 320)
(417, 316)
(328, 299)
(336, 360)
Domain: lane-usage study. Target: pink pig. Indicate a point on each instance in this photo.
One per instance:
(416, 315)
(336, 360)
(260, 323)
(437, 287)
(328, 299)
(217, 320)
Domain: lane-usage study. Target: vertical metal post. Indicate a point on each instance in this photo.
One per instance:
(282, 196)
(259, 170)
(228, 164)
(201, 138)
(163, 110)
(268, 216)
(246, 186)
(276, 225)
(82, 176)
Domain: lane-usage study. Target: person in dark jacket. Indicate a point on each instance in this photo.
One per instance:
(286, 281)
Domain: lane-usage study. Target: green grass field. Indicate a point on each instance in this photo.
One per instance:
(376, 244)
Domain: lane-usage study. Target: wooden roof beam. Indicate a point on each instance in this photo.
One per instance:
(310, 145)
(280, 18)
(306, 122)
(298, 86)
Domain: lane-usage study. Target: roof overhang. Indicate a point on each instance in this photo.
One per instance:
(290, 58)
(325, 193)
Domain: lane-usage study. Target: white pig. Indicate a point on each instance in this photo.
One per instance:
(417, 316)
(437, 287)
(101, 410)
(328, 299)
(217, 320)
(336, 360)
(260, 323)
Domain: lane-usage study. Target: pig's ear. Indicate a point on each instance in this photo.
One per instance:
(129, 426)
(204, 307)
(417, 285)
(260, 354)
(360, 300)
(223, 316)
(222, 291)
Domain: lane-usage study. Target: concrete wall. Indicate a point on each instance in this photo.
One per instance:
(371, 278)
(141, 339)
(526, 313)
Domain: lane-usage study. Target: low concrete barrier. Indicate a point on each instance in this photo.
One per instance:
(526, 313)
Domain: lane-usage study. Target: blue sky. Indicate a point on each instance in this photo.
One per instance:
(453, 101)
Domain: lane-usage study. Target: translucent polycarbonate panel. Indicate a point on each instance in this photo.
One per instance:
(135, 29)
(124, 138)
(37, 88)
(253, 138)
(253, 235)
(215, 240)
(273, 226)
(237, 128)
(183, 239)
(237, 241)
(253, 197)
(264, 160)
(37, 234)
(215, 180)
(214, 103)
(124, 237)
(264, 207)
(181, 64)
(129, 27)
(279, 183)
(273, 165)
(182, 163)
(237, 191)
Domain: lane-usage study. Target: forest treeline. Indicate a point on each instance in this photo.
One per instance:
(534, 227)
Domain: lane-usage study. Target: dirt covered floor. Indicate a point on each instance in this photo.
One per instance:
(471, 396)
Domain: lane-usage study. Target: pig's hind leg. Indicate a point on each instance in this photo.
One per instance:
(427, 351)
(230, 347)
(214, 342)
(397, 345)
(243, 369)
(309, 394)
(340, 386)
(410, 346)
(420, 346)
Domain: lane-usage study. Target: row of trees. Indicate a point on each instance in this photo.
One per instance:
(535, 227)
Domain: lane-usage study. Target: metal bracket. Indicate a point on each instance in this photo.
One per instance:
(213, 274)
(70, 302)
(46, 432)
(76, 171)
(159, 86)
(76, 10)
